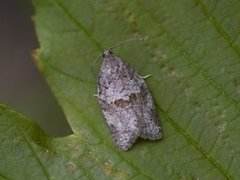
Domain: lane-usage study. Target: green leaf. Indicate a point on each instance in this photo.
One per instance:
(192, 51)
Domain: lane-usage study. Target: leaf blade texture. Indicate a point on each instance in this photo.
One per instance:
(191, 49)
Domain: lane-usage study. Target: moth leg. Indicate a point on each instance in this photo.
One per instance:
(146, 76)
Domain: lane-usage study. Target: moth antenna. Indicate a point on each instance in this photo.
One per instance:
(128, 40)
(96, 60)
(122, 42)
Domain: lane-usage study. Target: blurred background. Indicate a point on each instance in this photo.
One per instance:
(21, 85)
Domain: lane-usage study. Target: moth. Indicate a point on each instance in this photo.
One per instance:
(126, 103)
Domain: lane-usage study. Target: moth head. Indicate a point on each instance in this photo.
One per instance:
(107, 53)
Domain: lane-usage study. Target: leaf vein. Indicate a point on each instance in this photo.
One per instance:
(194, 143)
(79, 25)
(36, 157)
(100, 135)
(198, 67)
(217, 25)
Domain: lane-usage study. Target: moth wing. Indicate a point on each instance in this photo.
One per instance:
(150, 122)
(149, 119)
(123, 132)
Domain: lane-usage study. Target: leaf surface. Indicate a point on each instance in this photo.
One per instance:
(191, 49)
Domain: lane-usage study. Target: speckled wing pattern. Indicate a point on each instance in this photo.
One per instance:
(126, 103)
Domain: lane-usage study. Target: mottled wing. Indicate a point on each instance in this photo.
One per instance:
(122, 122)
(150, 123)
(150, 119)
(120, 101)
(126, 103)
